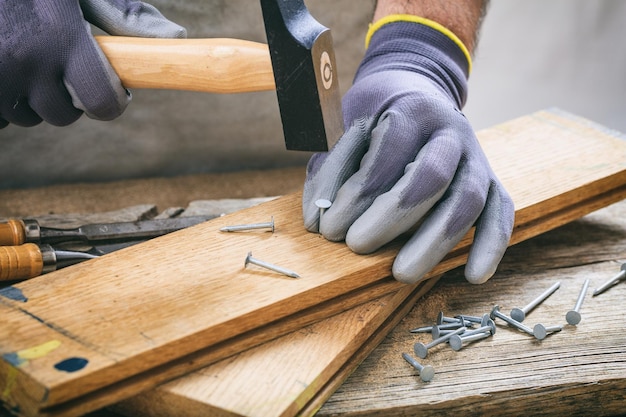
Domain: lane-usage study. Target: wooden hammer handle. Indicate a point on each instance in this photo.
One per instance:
(208, 65)
(20, 262)
(12, 233)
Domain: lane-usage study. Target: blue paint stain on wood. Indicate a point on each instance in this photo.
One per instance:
(13, 293)
(13, 358)
(71, 364)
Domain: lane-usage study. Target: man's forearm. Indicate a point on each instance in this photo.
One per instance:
(463, 18)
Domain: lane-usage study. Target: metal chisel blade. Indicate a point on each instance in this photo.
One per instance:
(112, 232)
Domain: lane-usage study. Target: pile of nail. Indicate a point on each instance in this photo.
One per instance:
(461, 330)
(456, 331)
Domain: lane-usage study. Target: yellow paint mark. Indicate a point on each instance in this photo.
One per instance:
(38, 351)
(11, 378)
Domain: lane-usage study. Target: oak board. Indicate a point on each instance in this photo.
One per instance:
(112, 322)
(280, 377)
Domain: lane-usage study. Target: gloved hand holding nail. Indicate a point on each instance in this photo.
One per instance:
(409, 156)
(51, 66)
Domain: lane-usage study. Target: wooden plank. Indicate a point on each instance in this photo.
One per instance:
(150, 305)
(132, 386)
(279, 377)
(580, 371)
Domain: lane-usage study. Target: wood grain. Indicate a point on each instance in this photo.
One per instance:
(279, 377)
(146, 307)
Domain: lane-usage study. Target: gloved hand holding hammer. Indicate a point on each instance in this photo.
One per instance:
(409, 155)
(51, 66)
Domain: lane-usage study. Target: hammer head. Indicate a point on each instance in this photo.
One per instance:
(303, 61)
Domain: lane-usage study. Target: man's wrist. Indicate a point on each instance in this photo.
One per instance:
(463, 18)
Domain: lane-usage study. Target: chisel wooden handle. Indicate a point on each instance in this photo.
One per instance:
(20, 262)
(208, 65)
(12, 233)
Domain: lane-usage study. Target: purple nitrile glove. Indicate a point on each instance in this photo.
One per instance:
(409, 156)
(52, 68)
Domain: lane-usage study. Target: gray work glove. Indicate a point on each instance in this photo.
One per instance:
(51, 67)
(410, 157)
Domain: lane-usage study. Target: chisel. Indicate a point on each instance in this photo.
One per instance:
(30, 260)
(17, 232)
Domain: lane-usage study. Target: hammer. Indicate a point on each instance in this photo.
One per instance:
(299, 62)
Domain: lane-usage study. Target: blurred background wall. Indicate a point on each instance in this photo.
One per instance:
(535, 54)
(532, 55)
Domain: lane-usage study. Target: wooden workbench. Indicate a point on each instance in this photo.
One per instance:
(579, 371)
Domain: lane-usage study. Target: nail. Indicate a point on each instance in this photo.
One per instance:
(519, 314)
(573, 317)
(487, 321)
(426, 329)
(441, 319)
(457, 342)
(429, 329)
(473, 319)
(540, 331)
(426, 372)
(251, 260)
(495, 312)
(617, 278)
(436, 332)
(421, 349)
(241, 227)
(490, 328)
(322, 204)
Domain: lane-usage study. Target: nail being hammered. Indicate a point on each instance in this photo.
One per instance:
(323, 205)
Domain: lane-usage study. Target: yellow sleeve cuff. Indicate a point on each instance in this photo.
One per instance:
(423, 21)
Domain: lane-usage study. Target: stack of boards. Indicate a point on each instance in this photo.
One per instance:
(246, 341)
